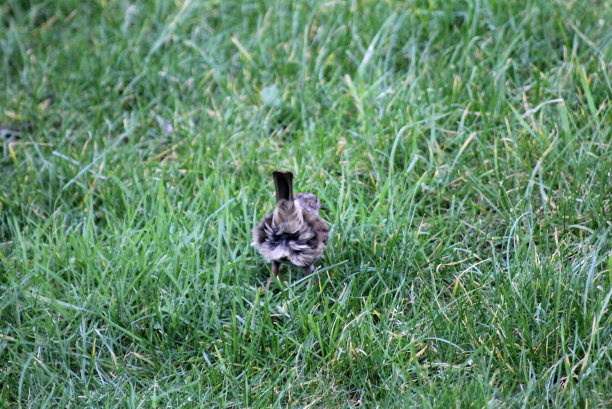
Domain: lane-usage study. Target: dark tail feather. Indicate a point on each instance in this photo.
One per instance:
(283, 182)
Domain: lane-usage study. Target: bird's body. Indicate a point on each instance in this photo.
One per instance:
(294, 232)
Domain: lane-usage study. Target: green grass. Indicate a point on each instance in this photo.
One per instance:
(465, 151)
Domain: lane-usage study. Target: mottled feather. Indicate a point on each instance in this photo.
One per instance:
(294, 232)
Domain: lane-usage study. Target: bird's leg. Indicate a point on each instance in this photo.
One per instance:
(308, 270)
(275, 269)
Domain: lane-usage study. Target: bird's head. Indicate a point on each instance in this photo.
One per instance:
(310, 201)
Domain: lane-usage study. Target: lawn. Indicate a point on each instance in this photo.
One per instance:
(464, 149)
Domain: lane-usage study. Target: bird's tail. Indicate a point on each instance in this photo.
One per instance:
(287, 211)
(283, 183)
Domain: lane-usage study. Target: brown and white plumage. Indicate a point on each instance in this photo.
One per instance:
(294, 232)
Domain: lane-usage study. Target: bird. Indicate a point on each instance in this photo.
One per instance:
(294, 232)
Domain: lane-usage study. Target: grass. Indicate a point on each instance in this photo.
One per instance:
(464, 149)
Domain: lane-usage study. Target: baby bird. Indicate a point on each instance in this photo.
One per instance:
(294, 232)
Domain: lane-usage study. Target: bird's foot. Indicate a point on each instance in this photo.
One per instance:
(275, 269)
(267, 285)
